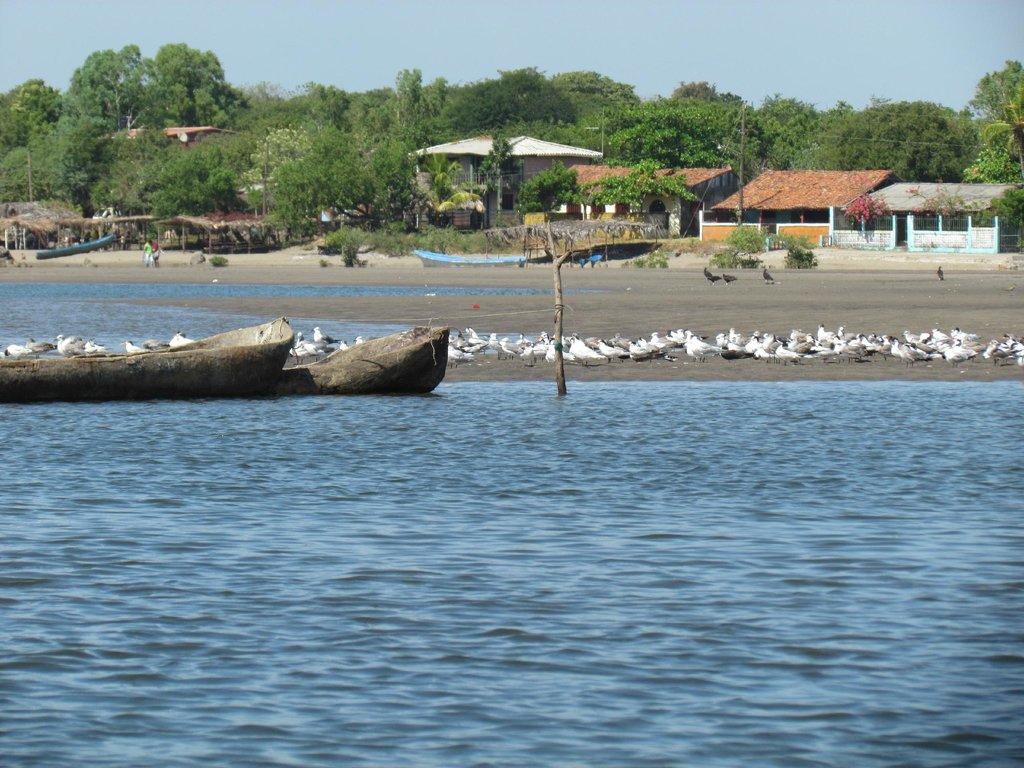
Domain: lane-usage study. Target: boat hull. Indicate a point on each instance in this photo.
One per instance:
(410, 362)
(71, 250)
(238, 363)
(432, 259)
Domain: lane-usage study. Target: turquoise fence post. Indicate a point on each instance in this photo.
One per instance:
(892, 243)
(910, 231)
(940, 222)
(995, 234)
(970, 233)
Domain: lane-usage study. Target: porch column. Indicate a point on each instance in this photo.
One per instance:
(892, 245)
(831, 222)
(910, 231)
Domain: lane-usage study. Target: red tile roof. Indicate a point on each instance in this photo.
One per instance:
(789, 190)
(592, 174)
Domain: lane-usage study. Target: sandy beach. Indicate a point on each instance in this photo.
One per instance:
(608, 301)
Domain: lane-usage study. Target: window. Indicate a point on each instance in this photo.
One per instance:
(658, 206)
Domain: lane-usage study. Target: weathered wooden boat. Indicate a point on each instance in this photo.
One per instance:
(410, 362)
(432, 259)
(71, 250)
(238, 363)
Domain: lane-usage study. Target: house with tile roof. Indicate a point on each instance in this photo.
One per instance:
(679, 217)
(794, 202)
(530, 156)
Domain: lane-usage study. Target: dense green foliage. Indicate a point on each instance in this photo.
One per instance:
(549, 189)
(1010, 207)
(296, 153)
(641, 182)
(918, 140)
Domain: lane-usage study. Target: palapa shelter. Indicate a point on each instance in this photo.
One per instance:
(571, 236)
(223, 232)
(34, 225)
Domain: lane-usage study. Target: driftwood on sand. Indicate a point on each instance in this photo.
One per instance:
(410, 362)
(238, 363)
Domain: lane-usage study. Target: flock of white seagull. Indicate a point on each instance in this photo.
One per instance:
(76, 346)
(798, 347)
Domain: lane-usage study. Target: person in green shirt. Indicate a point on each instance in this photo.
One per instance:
(147, 255)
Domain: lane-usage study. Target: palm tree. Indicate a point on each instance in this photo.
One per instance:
(444, 196)
(1010, 126)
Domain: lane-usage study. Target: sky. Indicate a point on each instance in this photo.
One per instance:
(819, 51)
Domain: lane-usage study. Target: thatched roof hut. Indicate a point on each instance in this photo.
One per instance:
(232, 231)
(572, 235)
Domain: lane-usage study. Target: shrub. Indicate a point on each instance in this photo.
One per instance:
(654, 260)
(741, 245)
(218, 261)
(347, 241)
(746, 240)
(798, 252)
(324, 263)
(733, 260)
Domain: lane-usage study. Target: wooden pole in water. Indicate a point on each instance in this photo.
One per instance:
(556, 262)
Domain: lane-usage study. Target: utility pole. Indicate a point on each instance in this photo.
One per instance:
(743, 152)
(266, 161)
(31, 196)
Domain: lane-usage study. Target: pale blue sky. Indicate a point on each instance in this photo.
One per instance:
(817, 50)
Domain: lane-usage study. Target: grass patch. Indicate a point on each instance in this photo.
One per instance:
(218, 261)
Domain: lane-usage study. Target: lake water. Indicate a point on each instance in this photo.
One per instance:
(819, 574)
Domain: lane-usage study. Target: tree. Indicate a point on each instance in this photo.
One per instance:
(673, 135)
(496, 163)
(995, 89)
(1009, 127)
(789, 130)
(642, 182)
(704, 91)
(393, 172)
(110, 88)
(1010, 207)
(993, 166)
(330, 175)
(549, 189)
(592, 92)
(127, 185)
(195, 181)
(188, 88)
(28, 111)
(515, 97)
(80, 152)
(918, 140)
(275, 149)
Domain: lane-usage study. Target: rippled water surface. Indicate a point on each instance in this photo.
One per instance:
(822, 574)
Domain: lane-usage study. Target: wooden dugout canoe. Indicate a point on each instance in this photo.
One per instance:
(238, 363)
(71, 250)
(410, 362)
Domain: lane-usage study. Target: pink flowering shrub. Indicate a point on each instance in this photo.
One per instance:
(865, 208)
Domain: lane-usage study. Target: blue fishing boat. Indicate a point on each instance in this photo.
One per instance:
(431, 259)
(71, 250)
